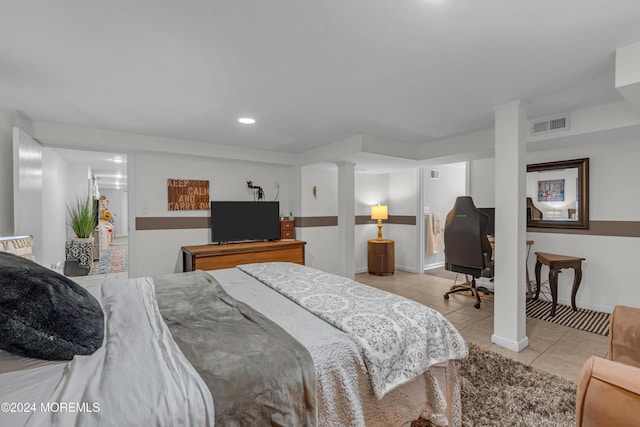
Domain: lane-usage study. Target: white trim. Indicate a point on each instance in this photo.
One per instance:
(509, 344)
(433, 266)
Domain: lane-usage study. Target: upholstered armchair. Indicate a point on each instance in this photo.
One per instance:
(608, 391)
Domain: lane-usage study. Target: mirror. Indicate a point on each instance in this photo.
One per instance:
(558, 194)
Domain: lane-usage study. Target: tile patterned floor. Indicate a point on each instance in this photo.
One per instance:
(552, 347)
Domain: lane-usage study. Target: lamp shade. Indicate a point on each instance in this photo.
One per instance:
(379, 212)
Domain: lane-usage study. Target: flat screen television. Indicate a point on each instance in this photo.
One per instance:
(491, 228)
(233, 221)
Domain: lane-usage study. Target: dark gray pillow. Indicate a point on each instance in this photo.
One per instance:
(45, 315)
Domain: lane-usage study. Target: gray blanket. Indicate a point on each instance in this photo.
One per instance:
(257, 373)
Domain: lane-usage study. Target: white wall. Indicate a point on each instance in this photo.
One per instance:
(54, 199)
(158, 251)
(404, 200)
(369, 190)
(320, 252)
(482, 182)
(6, 175)
(440, 196)
(607, 277)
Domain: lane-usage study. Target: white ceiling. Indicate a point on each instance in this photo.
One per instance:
(108, 169)
(310, 72)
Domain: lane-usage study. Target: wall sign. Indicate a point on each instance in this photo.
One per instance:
(188, 194)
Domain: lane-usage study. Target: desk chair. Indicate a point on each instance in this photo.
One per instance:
(466, 247)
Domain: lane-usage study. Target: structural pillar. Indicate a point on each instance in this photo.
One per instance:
(346, 219)
(509, 327)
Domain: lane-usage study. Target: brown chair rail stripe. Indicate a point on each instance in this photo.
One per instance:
(316, 221)
(596, 228)
(393, 219)
(172, 222)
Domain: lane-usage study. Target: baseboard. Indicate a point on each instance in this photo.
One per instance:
(407, 269)
(510, 344)
(432, 266)
(362, 270)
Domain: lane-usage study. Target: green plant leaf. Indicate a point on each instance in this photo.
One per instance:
(82, 218)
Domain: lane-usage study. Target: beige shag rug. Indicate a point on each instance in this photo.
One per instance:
(498, 391)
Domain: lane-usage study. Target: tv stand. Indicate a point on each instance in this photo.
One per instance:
(217, 256)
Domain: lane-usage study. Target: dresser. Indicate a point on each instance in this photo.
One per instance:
(213, 257)
(381, 257)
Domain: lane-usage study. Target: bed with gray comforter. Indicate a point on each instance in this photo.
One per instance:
(283, 344)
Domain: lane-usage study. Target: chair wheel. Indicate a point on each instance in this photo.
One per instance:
(446, 296)
(477, 305)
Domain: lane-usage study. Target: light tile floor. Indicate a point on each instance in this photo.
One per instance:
(554, 348)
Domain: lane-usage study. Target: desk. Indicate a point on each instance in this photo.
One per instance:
(492, 240)
(556, 263)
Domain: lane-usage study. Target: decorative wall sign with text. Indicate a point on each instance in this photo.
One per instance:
(188, 194)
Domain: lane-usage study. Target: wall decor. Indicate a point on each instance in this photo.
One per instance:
(258, 191)
(188, 194)
(551, 190)
(557, 194)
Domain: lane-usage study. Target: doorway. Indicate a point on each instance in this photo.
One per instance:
(442, 185)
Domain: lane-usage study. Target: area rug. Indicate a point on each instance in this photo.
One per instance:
(498, 391)
(113, 260)
(583, 319)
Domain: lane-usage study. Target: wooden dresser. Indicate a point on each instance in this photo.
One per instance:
(214, 257)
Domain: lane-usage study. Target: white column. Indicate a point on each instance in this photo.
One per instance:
(346, 219)
(6, 174)
(509, 325)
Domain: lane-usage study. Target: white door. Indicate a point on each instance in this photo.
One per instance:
(27, 189)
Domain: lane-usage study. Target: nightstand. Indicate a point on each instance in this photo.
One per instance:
(381, 257)
(287, 229)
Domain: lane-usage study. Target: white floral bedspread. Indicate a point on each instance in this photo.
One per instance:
(400, 338)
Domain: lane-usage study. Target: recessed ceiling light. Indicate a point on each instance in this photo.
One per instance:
(246, 120)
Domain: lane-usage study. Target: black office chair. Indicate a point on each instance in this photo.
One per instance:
(466, 247)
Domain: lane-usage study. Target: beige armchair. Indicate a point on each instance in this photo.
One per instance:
(609, 389)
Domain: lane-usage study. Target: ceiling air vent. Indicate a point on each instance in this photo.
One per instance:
(552, 124)
(434, 174)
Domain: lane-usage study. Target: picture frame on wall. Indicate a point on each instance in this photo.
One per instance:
(551, 190)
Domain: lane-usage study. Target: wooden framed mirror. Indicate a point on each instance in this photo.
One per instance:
(558, 194)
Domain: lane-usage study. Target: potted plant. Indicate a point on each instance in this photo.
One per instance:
(82, 220)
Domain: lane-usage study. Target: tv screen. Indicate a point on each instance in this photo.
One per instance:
(239, 221)
(491, 228)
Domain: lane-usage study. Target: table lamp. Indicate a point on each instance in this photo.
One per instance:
(379, 212)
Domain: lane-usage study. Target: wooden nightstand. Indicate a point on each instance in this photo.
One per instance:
(381, 257)
(287, 229)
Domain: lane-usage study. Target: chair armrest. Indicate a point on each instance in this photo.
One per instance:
(624, 335)
(608, 393)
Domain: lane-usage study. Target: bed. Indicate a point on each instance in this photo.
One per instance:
(151, 371)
